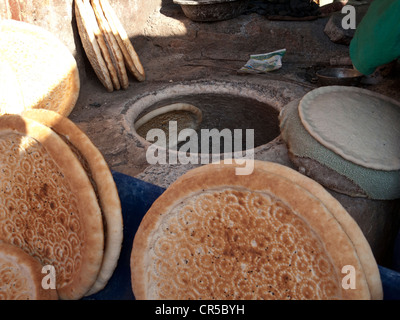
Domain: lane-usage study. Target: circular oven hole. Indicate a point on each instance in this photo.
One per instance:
(223, 113)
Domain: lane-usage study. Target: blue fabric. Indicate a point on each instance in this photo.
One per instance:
(136, 198)
(391, 283)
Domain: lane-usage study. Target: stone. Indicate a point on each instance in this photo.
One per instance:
(335, 31)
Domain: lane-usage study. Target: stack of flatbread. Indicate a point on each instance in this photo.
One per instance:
(21, 276)
(347, 139)
(107, 46)
(58, 203)
(37, 71)
(273, 234)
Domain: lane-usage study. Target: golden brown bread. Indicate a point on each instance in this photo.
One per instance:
(214, 234)
(21, 276)
(48, 207)
(10, 89)
(91, 46)
(46, 72)
(348, 224)
(132, 59)
(104, 48)
(103, 183)
(112, 44)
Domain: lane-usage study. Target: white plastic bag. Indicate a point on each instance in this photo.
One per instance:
(261, 63)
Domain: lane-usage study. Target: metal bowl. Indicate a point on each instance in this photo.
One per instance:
(212, 10)
(339, 76)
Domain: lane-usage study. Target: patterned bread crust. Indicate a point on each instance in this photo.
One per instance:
(91, 46)
(260, 211)
(48, 206)
(103, 183)
(44, 67)
(349, 225)
(21, 276)
(131, 57)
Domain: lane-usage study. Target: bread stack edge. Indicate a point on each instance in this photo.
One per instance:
(107, 45)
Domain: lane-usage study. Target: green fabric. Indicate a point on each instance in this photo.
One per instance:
(377, 184)
(377, 38)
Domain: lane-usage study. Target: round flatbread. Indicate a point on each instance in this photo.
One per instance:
(102, 181)
(358, 124)
(21, 276)
(101, 41)
(91, 46)
(43, 66)
(330, 169)
(348, 224)
(132, 59)
(48, 207)
(185, 115)
(10, 89)
(171, 108)
(112, 44)
(217, 235)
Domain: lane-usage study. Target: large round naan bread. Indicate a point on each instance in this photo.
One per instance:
(48, 206)
(44, 68)
(10, 89)
(331, 169)
(345, 220)
(112, 43)
(217, 235)
(132, 59)
(185, 115)
(358, 124)
(21, 276)
(102, 181)
(93, 49)
(106, 54)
